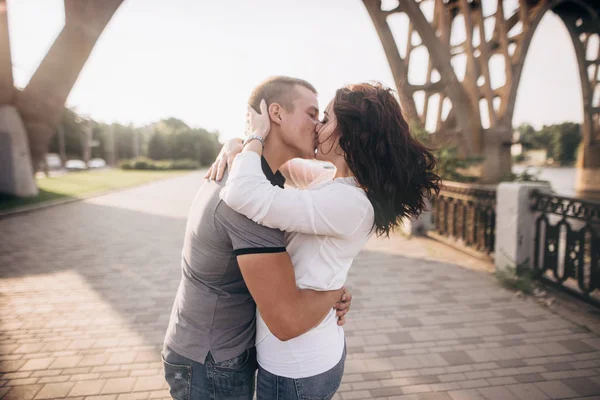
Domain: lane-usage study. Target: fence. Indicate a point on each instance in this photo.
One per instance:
(464, 215)
(567, 242)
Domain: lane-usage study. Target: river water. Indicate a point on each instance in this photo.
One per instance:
(562, 179)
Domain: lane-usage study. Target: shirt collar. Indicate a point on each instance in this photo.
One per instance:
(276, 179)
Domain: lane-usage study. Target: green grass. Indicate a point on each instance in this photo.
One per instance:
(80, 184)
(522, 281)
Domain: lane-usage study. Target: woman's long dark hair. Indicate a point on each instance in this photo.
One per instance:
(396, 171)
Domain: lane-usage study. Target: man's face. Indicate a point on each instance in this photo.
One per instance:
(298, 125)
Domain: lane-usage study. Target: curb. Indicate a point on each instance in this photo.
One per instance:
(41, 206)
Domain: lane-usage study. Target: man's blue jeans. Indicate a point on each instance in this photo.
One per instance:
(318, 387)
(230, 379)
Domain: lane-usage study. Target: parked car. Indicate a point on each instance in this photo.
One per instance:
(53, 161)
(76, 165)
(96, 163)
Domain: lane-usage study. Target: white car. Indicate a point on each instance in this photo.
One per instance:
(75, 165)
(53, 161)
(96, 163)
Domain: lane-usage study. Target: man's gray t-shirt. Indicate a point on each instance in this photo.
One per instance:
(213, 309)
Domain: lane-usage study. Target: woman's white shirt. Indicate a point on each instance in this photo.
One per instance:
(326, 226)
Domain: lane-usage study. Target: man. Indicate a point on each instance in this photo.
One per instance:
(230, 265)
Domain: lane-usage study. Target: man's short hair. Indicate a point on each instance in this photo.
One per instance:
(278, 89)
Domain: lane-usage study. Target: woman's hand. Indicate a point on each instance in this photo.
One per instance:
(230, 149)
(258, 124)
(343, 306)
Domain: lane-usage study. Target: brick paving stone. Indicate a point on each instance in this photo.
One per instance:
(527, 391)
(151, 383)
(119, 385)
(92, 318)
(386, 391)
(556, 389)
(457, 358)
(10, 366)
(66, 362)
(360, 394)
(473, 383)
(87, 388)
(53, 379)
(583, 386)
(93, 360)
(21, 381)
(471, 394)
(511, 363)
(22, 392)
(497, 393)
(37, 364)
(134, 396)
(54, 390)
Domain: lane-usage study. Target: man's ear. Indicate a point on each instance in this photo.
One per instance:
(275, 113)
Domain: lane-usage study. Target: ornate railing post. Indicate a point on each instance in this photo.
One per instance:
(567, 242)
(464, 217)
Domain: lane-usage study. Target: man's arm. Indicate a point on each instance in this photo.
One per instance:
(288, 311)
(269, 274)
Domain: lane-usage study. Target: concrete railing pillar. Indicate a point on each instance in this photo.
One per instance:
(420, 225)
(16, 172)
(515, 224)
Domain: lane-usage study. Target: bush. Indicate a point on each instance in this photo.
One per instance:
(146, 164)
(185, 164)
(520, 279)
(126, 164)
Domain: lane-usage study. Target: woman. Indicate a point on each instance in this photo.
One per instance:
(381, 176)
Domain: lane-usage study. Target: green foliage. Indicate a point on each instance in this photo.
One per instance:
(521, 279)
(451, 167)
(561, 141)
(158, 148)
(169, 139)
(524, 176)
(184, 164)
(147, 164)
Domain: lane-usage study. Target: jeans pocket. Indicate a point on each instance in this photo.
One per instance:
(235, 363)
(322, 386)
(179, 378)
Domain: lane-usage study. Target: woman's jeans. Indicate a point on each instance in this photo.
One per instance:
(318, 387)
(230, 379)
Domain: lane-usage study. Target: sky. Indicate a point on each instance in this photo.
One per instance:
(198, 60)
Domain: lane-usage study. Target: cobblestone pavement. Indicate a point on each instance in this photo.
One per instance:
(86, 289)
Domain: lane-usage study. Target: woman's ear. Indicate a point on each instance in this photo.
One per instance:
(275, 113)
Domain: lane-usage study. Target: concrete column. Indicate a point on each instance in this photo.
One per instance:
(497, 160)
(6, 78)
(587, 182)
(515, 224)
(16, 173)
(420, 225)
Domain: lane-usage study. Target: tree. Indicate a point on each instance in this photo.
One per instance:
(566, 140)
(561, 141)
(450, 166)
(158, 149)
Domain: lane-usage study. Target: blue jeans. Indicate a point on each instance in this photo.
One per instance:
(318, 387)
(230, 379)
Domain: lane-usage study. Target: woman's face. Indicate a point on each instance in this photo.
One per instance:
(326, 139)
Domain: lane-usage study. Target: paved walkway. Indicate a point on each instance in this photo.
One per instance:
(86, 289)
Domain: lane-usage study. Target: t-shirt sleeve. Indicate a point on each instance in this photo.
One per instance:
(248, 237)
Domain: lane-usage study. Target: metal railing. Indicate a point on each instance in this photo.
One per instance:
(567, 241)
(465, 215)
